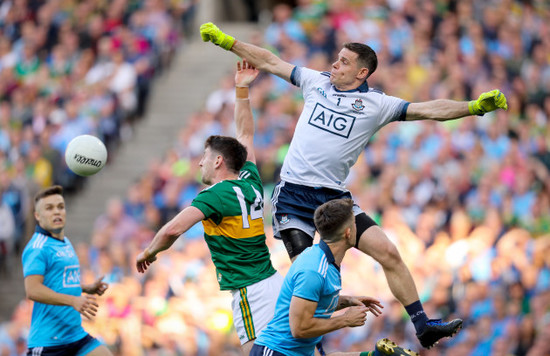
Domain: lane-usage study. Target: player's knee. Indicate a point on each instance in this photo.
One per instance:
(295, 241)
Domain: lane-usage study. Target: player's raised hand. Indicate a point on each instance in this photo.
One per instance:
(487, 102)
(211, 32)
(356, 315)
(86, 305)
(144, 260)
(246, 74)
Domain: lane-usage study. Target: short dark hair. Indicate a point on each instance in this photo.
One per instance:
(233, 152)
(46, 192)
(330, 217)
(366, 56)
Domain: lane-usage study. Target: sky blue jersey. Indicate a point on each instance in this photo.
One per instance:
(313, 276)
(56, 260)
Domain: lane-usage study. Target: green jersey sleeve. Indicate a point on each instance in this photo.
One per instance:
(209, 203)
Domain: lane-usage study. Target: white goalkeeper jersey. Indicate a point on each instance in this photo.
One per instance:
(334, 128)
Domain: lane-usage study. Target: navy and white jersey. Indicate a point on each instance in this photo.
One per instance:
(56, 260)
(313, 276)
(334, 128)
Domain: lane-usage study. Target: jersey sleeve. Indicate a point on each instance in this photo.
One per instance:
(34, 262)
(304, 77)
(391, 109)
(308, 285)
(209, 203)
(250, 173)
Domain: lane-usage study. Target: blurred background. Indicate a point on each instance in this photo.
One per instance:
(467, 202)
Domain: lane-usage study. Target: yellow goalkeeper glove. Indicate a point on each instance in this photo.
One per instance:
(487, 102)
(211, 32)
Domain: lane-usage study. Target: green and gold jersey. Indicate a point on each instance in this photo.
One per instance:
(234, 229)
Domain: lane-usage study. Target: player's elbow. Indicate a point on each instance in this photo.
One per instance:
(299, 331)
(173, 230)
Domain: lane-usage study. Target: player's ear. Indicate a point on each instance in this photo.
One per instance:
(347, 234)
(218, 162)
(362, 74)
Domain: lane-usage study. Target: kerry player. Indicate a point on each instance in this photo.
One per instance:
(340, 115)
(231, 211)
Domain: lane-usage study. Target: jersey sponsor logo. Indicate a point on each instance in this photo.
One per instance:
(358, 105)
(71, 276)
(331, 121)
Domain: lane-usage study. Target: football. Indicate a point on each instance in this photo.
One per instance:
(86, 155)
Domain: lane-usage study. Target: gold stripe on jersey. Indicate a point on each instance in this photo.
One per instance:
(232, 227)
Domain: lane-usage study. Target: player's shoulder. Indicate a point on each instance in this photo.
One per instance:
(37, 241)
(375, 91)
(312, 258)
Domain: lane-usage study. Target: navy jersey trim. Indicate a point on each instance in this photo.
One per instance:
(294, 76)
(363, 88)
(326, 74)
(403, 115)
(42, 231)
(38, 229)
(330, 257)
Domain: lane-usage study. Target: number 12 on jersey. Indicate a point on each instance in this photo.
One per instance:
(256, 209)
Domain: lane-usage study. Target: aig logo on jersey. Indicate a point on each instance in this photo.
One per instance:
(331, 121)
(71, 276)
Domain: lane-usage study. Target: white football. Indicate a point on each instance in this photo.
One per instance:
(86, 155)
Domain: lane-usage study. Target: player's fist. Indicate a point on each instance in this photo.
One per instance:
(487, 102)
(211, 32)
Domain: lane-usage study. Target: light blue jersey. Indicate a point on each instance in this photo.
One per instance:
(56, 260)
(313, 276)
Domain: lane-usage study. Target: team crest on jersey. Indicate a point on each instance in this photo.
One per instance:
(284, 219)
(358, 105)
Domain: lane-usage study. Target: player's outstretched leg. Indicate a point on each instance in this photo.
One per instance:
(386, 347)
(436, 329)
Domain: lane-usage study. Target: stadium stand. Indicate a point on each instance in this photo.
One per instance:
(467, 202)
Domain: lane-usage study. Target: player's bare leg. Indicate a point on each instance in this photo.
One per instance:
(246, 347)
(101, 350)
(376, 244)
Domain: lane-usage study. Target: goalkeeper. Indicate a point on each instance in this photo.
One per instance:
(341, 113)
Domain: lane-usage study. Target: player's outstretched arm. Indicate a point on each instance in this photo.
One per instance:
(258, 57)
(167, 235)
(443, 110)
(304, 324)
(244, 121)
(38, 292)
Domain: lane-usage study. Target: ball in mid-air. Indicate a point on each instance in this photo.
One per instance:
(86, 155)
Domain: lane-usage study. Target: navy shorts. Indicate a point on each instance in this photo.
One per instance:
(77, 348)
(260, 350)
(294, 205)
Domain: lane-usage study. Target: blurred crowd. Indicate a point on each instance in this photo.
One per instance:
(467, 202)
(69, 68)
